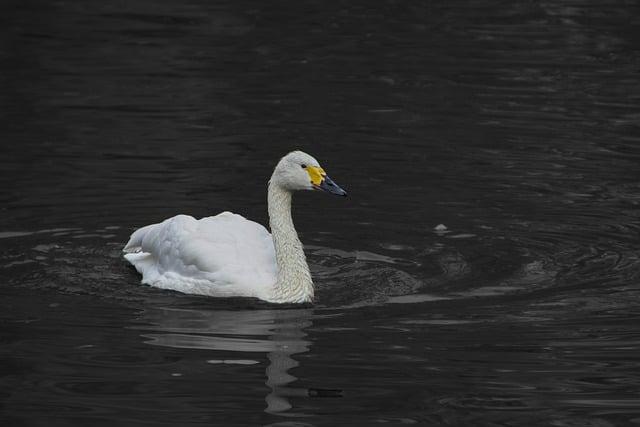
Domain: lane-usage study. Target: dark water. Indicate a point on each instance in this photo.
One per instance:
(514, 124)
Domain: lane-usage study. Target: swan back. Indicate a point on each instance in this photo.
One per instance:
(222, 255)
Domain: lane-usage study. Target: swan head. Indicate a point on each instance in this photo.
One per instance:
(300, 171)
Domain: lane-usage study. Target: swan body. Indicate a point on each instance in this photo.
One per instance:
(222, 255)
(227, 255)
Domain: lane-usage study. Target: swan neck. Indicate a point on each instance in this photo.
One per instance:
(293, 282)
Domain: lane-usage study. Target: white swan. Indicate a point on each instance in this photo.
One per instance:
(227, 255)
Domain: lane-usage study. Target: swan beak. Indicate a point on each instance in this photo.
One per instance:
(321, 181)
(331, 187)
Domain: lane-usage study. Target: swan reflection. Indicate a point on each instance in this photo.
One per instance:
(279, 333)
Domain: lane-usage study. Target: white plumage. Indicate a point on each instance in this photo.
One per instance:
(227, 255)
(223, 255)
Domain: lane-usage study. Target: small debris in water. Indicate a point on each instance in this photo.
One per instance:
(441, 229)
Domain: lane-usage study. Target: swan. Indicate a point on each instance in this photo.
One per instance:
(227, 255)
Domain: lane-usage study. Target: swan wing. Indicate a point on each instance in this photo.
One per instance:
(222, 255)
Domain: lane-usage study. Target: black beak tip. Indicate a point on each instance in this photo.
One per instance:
(331, 187)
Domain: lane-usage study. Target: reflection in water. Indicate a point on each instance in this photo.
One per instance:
(279, 333)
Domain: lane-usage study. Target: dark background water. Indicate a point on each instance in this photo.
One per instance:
(515, 124)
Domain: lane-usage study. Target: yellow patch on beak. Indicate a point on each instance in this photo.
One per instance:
(316, 174)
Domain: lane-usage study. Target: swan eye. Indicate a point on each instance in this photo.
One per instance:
(303, 166)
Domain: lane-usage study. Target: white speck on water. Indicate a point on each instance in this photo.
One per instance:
(441, 229)
(176, 374)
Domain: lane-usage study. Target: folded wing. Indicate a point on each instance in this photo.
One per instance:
(223, 255)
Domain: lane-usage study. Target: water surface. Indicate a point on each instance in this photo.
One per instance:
(483, 270)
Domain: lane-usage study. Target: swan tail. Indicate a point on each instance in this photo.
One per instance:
(135, 241)
(144, 264)
(143, 261)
